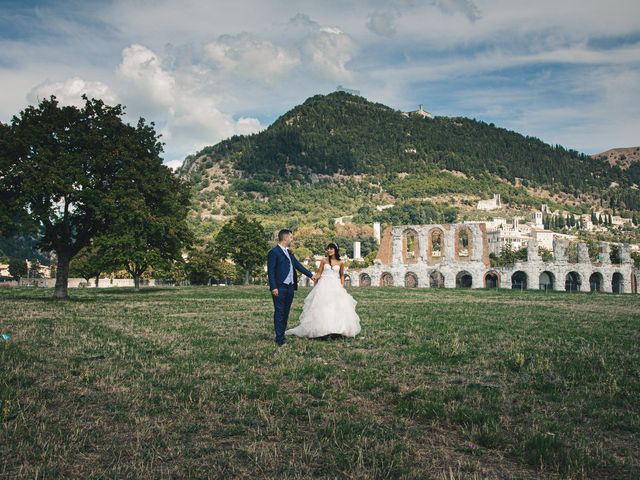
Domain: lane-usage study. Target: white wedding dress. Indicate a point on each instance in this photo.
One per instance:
(328, 309)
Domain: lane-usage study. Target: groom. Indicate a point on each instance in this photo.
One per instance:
(283, 281)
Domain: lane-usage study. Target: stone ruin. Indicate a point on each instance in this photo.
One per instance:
(457, 256)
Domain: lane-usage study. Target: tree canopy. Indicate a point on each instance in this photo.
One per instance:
(76, 172)
(244, 241)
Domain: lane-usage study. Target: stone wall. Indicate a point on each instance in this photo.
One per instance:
(463, 262)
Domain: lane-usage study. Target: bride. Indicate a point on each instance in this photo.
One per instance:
(328, 309)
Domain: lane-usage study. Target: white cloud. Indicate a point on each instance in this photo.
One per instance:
(383, 22)
(327, 49)
(173, 164)
(247, 126)
(143, 67)
(70, 91)
(247, 55)
(190, 115)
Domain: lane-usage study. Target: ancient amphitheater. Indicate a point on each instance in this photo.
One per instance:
(457, 256)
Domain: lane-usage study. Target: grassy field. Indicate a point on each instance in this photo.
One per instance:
(442, 384)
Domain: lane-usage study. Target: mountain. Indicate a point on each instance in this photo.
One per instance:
(623, 157)
(350, 155)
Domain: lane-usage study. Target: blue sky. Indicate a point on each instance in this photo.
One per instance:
(566, 71)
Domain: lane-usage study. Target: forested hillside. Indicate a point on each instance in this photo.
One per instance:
(340, 154)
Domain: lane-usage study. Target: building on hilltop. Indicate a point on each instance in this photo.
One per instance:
(421, 112)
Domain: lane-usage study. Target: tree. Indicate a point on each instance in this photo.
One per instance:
(88, 263)
(204, 268)
(243, 241)
(9, 191)
(75, 170)
(614, 254)
(17, 268)
(174, 272)
(152, 229)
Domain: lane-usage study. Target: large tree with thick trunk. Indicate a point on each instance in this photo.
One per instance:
(77, 170)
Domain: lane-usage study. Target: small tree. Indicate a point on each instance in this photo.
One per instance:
(152, 229)
(89, 263)
(203, 267)
(243, 241)
(545, 254)
(614, 254)
(17, 268)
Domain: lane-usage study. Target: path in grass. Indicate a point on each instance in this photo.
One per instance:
(188, 383)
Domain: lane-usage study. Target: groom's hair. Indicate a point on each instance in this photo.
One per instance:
(283, 233)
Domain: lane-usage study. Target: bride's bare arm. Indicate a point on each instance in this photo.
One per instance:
(320, 269)
(342, 274)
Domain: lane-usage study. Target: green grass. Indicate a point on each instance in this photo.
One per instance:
(440, 384)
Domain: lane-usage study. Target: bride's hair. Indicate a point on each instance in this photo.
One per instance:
(334, 245)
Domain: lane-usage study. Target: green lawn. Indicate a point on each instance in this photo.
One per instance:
(443, 384)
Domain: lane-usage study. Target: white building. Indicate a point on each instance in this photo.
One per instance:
(492, 204)
(515, 234)
(421, 112)
(537, 219)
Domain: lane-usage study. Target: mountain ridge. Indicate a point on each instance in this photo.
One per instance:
(624, 157)
(355, 154)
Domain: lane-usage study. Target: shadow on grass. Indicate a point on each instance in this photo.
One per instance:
(130, 290)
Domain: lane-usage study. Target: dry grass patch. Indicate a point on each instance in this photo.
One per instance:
(441, 384)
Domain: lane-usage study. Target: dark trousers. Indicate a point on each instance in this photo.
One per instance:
(281, 307)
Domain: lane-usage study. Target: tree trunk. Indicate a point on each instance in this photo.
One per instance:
(62, 277)
(97, 280)
(247, 274)
(136, 282)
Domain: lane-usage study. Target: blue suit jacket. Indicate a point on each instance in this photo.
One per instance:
(278, 267)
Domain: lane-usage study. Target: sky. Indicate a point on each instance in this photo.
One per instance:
(565, 71)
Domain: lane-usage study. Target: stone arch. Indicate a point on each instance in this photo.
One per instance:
(492, 279)
(347, 281)
(572, 282)
(365, 280)
(595, 282)
(436, 243)
(410, 280)
(617, 283)
(464, 242)
(519, 280)
(386, 280)
(436, 280)
(546, 280)
(464, 279)
(410, 246)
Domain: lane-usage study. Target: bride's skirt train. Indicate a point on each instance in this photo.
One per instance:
(328, 309)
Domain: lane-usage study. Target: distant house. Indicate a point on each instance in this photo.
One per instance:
(421, 112)
(493, 204)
